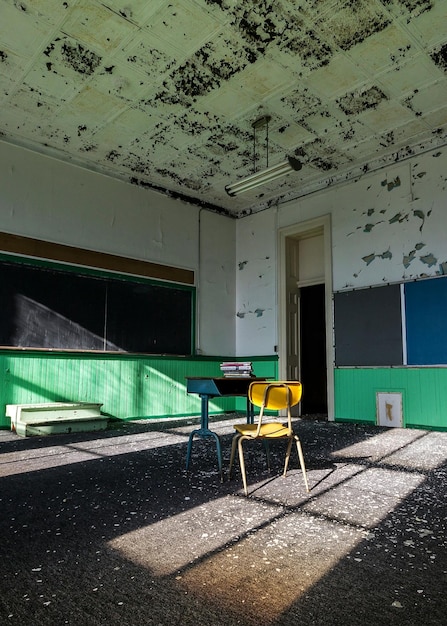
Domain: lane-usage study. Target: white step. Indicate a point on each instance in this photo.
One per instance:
(47, 418)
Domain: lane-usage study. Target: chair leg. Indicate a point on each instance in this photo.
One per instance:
(267, 453)
(289, 448)
(233, 452)
(242, 464)
(301, 458)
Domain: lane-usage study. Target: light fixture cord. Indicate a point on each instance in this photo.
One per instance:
(254, 150)
(261, 122)
(267, 141)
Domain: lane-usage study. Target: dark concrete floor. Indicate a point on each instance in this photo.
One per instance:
(109, 528)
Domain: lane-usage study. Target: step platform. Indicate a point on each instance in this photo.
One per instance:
(49, 418)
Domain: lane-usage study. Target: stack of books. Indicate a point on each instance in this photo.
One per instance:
(240, 369)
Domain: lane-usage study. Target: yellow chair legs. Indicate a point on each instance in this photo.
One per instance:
(276, 396)
(237, 442)
(300, 456)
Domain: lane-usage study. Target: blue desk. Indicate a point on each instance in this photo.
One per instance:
(208, 388)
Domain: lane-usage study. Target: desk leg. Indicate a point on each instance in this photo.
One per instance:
(204, 431)
(250, 412)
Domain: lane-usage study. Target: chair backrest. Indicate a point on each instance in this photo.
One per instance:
(275, 395)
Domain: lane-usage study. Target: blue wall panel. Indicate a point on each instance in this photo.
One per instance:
(426, 322)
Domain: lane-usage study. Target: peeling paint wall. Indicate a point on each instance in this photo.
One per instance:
(390, 227)
(387, 226)
(54, 201)
(256, 308)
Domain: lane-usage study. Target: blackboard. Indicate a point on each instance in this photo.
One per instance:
(42, 307)
(368, 327)
(160, 318)
(426, 326)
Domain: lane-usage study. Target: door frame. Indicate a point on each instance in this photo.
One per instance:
(301, 229)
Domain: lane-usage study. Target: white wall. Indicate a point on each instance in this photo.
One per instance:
(217, 290)
(46, 199)
(256, 287)
(389, 226)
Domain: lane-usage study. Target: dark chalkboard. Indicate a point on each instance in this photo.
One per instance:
(42, 307)
(368, 327)
(149, 318)
(425, 315)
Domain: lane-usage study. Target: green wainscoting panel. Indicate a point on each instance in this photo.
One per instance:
(128, 386)
(424, 394)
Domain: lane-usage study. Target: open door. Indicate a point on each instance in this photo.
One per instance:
(306, 317)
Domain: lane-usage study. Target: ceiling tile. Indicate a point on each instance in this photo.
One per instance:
(385, 49)
(61, 85)
(403, 134)
(262, 79)
(22, 33)
(96, 26)
(228, 102)
(366, 150)
(90, 108)
(436, 119)
(336, 78)
(411, 76)
(352, 22)
(51, 11)
(350, 132)
(439, 56)
(150, 55)
(137, 11)
(11, 64)
(31, 101)
(428, 99)
(387, 115)
(184, 25)
(68, 58)
(430, 25)
(290, 135)
(128, 127)
(122, 81)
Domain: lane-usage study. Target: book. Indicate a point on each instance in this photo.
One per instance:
(237, 369)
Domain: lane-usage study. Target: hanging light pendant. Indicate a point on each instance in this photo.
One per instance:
(267, 175)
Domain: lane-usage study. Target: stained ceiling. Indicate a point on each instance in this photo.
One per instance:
(163, 93)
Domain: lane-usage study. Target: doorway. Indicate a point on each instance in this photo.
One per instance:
(305, 303)
(312, 334)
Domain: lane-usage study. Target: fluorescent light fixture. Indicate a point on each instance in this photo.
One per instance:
(264, 176)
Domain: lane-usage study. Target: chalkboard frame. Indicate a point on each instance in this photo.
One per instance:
(184, 336)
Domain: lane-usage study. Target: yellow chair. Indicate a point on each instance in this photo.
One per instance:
(273, 396)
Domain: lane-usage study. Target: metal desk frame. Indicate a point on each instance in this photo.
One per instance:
(206, 388)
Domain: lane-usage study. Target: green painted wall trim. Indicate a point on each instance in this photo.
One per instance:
(128, 386)
(424, 394)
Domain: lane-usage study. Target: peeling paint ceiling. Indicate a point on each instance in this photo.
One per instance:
(163, 94)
